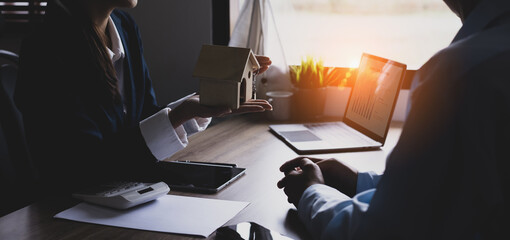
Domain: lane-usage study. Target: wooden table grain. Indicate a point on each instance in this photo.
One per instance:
(243, 140)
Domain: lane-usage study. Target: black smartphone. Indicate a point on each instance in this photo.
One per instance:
(247, 231)
(199, 177)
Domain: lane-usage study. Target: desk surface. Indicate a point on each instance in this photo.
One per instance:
(244, 140)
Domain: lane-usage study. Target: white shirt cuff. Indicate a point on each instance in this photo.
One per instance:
(160, 136)
(195, 125)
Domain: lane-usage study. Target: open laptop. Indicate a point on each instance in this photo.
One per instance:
(367, 116)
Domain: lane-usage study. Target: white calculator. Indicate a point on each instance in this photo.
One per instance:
(123, 195)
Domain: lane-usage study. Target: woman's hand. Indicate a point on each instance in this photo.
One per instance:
(300, 173)
(192, 108)
(264, 63)
(253, 105)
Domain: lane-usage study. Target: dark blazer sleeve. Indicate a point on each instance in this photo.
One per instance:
(75, 139)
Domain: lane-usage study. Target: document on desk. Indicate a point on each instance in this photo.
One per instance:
(170, 213)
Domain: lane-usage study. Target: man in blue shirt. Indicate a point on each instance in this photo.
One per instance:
(446, 178)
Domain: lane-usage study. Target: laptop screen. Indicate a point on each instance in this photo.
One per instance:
(374, 94)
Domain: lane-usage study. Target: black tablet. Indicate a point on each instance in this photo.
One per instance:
(198, 176)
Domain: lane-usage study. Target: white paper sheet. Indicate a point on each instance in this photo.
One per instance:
(170, 213)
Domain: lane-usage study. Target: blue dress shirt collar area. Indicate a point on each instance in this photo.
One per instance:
(481, 46)
(482, 16)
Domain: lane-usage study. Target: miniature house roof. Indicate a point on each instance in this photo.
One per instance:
(223, 63)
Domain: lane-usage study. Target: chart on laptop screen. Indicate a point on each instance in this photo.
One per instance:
(374, 93)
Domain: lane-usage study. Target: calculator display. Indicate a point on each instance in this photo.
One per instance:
(145, 190)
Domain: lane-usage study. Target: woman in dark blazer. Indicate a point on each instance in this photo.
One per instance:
(87, 99)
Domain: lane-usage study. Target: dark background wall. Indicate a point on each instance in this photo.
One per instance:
(10, 42)
(173, 33)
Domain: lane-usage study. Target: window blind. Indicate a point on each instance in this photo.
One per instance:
(19, 15)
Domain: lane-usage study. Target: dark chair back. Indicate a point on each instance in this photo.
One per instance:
(17, 172)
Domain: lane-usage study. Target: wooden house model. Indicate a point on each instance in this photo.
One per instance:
(226, 75)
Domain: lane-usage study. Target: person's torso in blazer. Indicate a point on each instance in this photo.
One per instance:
(59, 95)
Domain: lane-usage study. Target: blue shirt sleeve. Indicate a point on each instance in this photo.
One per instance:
(367, 180)
(330, 214)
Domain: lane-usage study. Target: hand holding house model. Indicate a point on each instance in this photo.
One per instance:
(226, 75)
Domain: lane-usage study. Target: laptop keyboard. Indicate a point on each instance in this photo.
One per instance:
(339, 132)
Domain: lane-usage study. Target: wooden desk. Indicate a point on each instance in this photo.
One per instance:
(245, 141)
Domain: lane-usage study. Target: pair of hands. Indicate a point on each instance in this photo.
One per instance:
(303, 172)
(192, 108)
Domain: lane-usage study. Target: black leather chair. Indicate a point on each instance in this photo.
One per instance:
(17, 172)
